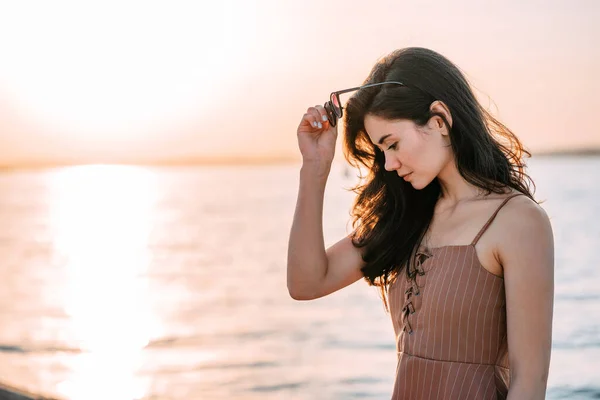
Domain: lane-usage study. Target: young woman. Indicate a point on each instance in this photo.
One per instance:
(444, 223)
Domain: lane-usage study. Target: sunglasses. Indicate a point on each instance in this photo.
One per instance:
(334, 107)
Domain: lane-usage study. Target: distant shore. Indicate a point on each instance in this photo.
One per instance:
(233, 161)
(192, 162)
(570, 152)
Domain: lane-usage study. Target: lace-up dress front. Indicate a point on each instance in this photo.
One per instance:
(449, 317)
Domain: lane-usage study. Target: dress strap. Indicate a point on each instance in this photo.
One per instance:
(489, 221)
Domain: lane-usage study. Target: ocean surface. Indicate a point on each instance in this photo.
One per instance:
(169, 283)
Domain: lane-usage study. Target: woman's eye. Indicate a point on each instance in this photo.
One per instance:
(393, 146)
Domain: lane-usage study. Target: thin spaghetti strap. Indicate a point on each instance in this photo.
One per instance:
(489, 221)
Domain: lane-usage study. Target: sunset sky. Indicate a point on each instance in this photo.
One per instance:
(140, 81)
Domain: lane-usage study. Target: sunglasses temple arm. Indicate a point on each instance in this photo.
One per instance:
(346, 90)
(366, 86)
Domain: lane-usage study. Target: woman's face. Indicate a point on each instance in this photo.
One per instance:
(417, 154)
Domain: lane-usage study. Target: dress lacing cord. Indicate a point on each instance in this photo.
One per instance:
(413, 270)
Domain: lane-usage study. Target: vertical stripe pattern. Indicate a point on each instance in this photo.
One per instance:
(449, 317)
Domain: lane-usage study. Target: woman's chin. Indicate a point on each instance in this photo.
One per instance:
(415, 182)
(419, 184)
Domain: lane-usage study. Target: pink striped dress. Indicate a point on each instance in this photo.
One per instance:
(449, 317)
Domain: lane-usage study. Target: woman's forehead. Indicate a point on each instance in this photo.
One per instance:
(380, 129)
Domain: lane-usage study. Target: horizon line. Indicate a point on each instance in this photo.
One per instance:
(230, 160)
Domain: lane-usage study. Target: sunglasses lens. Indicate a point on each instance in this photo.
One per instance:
(337, 107)
(330, 113)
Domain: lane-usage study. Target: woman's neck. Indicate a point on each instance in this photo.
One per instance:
(454, 187)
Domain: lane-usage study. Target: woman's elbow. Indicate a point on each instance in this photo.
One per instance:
(528, 386)
(299, 293)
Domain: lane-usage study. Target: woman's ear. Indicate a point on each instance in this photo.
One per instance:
(438, 108)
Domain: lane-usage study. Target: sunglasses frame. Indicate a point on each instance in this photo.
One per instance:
(332, 114)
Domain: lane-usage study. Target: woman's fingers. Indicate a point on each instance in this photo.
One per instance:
(322, 113)
(316, 116)
(310, 119)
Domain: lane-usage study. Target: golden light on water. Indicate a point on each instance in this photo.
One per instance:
(101, 218)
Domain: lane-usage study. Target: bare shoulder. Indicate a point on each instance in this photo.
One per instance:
(524, 213)
(523, 227)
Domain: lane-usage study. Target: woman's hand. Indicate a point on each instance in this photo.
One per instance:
(316, 138)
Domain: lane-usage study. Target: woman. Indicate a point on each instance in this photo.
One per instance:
(444, 223)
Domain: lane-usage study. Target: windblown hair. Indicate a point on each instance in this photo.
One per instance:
(389, 216)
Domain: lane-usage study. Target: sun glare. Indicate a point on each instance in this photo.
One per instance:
(119, 67)
(101, 222)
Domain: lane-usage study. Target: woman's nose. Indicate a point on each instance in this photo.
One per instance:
(392, 164)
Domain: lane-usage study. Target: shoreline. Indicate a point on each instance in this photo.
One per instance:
(8, 392)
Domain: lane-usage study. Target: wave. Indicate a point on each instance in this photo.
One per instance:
(203, 339)
(578, 297)
(6, 348)
(215, 367)
(572, 393)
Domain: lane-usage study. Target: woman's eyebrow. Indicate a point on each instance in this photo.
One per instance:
(382, 139)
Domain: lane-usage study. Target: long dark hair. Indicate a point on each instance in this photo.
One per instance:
(390, 217)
